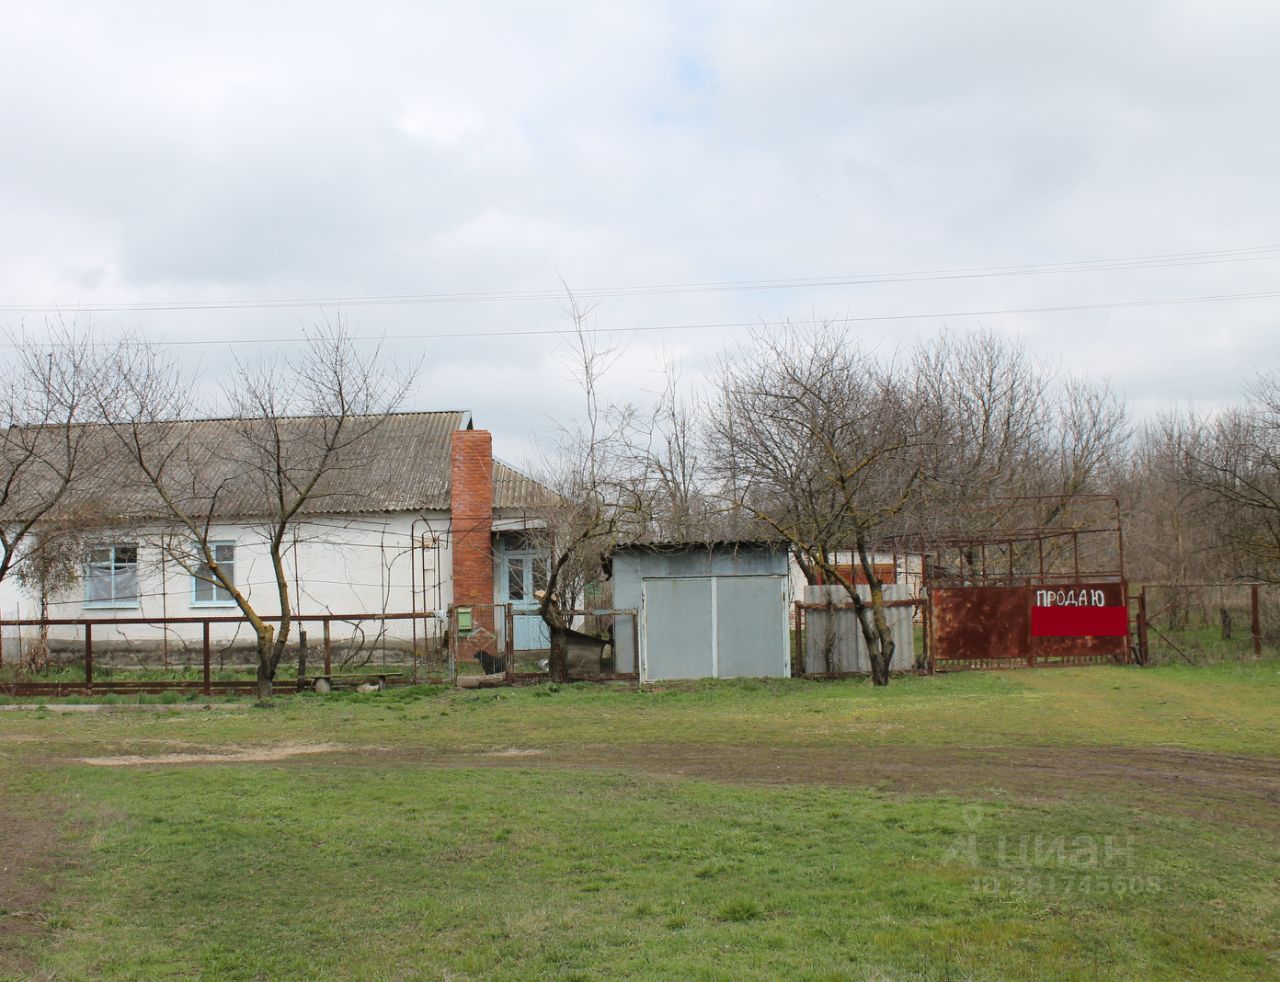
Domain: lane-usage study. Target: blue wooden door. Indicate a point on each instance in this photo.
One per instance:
(524, 575)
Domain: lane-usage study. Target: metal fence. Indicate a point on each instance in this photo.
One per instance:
(218, 654)
(215, 654)
(516, 642)
(828, 639)
(1200, 623)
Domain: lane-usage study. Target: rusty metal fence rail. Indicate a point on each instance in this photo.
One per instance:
(214, 654)
(217, 654)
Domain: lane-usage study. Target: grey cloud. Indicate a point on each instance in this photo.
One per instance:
(250, 151)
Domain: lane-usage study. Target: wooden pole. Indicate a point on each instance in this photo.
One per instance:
(1255, 621)
(328, 650)
(509, 648)
(1144, 654)
(797, 642)
(205, 658)
(930, 645)
(88, 658)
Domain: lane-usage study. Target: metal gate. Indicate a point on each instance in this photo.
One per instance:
(1032, 624)
(1032, 595)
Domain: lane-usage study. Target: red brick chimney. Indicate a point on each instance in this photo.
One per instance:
(471, 502)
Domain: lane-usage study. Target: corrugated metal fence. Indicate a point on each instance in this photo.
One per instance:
(830, 638)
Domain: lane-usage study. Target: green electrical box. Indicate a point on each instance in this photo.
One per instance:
(464, 621)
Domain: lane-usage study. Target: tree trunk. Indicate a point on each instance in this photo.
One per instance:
(879, 635)
(264, 682)
(884, 634)
(266, 668)
(559, 664)
(553, 617)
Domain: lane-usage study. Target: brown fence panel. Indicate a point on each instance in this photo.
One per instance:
(980, 624)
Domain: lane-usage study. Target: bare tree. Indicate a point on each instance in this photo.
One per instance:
(593, 501)
(53, 562)
(1230, 464)
(826, 448)
(1012, 427)
(666, 465)
(292, 441)
(46, 395)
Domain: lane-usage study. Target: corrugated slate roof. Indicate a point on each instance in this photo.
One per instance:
(513, 490)
(401, 464)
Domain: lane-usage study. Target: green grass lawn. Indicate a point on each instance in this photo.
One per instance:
(1063, 823)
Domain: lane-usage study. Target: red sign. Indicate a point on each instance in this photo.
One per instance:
(1079, 622)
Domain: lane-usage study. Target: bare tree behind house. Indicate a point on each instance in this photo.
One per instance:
(47, 393)
(292, 441)
(826, 448)
(1011, 427)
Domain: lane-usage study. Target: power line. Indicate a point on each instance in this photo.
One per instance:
(1158, 261)
(869, 319)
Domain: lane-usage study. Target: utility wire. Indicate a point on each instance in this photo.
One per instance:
(1159, 261)
(876, 318)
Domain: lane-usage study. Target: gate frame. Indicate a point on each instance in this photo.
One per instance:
(978, 574)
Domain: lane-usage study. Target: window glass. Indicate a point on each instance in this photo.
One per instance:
(515, 578)
(111, 575)
(541, 572)
(97, 576)
(204, 590)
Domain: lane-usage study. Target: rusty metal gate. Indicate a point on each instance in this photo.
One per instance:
(1031, 595)
(1031, 624)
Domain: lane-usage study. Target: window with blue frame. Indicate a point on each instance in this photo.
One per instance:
(111, 575)
(205, 590)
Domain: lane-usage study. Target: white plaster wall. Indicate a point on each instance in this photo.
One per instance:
(336, 565)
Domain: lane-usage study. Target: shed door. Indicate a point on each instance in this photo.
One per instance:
(751, 627)
(714, 627)
(678, 639)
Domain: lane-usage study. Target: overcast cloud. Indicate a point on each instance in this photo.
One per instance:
(162, 152)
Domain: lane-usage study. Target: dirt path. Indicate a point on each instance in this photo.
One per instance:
(1205, 786)
(1201, 785)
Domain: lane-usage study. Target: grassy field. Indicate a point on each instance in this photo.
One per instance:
(1071, 823)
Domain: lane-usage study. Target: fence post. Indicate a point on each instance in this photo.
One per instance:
(413, 653)
(205, 656)
(797, 642)
(328, 649)
(635, 643)
(302, 658)
(1143, 653)
(88, 658)
(1255, 621)
(1, 644)
(509, 650)
(925, 661)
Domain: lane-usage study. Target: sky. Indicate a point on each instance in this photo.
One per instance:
(221, 159)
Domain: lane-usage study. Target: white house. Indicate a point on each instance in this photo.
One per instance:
(427, 520)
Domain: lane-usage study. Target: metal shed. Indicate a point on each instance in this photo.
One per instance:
(707, 610)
